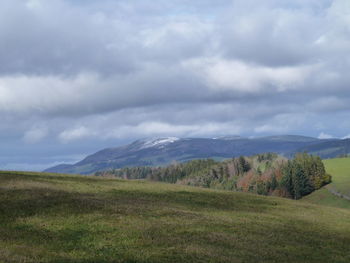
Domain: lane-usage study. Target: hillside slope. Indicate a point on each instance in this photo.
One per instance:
(162, 151)
(339, 168)
(58, 218)
(328, 149)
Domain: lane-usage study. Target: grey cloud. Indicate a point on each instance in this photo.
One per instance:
(72, 48)
(96, 73)
(273, 33)
(40, 37)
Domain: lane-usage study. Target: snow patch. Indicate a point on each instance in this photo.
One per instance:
(159, 143)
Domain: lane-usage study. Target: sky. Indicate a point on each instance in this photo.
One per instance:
(78, 76)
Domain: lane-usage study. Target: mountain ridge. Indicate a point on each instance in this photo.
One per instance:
(164, 150)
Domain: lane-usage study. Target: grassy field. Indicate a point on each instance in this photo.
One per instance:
(340, 170)
(58, 218)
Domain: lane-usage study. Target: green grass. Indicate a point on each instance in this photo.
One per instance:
(61, 218)
(325, 197)
(339, 168)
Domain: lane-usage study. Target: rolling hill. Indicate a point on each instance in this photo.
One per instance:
(162, 151)
(328, 149)
(67, 218)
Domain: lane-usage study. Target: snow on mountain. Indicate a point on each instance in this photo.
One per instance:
(159, 142)
(163, 151)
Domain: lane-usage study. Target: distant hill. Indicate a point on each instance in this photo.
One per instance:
(162, 151)
(328, 149)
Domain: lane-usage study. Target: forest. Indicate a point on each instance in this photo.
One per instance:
(263, 174)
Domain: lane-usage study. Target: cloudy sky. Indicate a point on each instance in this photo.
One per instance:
(80, 75)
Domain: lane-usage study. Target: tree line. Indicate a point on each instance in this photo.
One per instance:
(264, 174)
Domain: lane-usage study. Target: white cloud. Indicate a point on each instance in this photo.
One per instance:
(44, 94)
(75, 134)
(325, 136)
(161, 129)
(346, 137)
(34, 4)
(223, 74)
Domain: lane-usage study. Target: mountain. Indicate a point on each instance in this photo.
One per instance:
(162, 151)
(328, 149)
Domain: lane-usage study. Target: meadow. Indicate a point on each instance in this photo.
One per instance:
(339, 168)
(66, 218)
